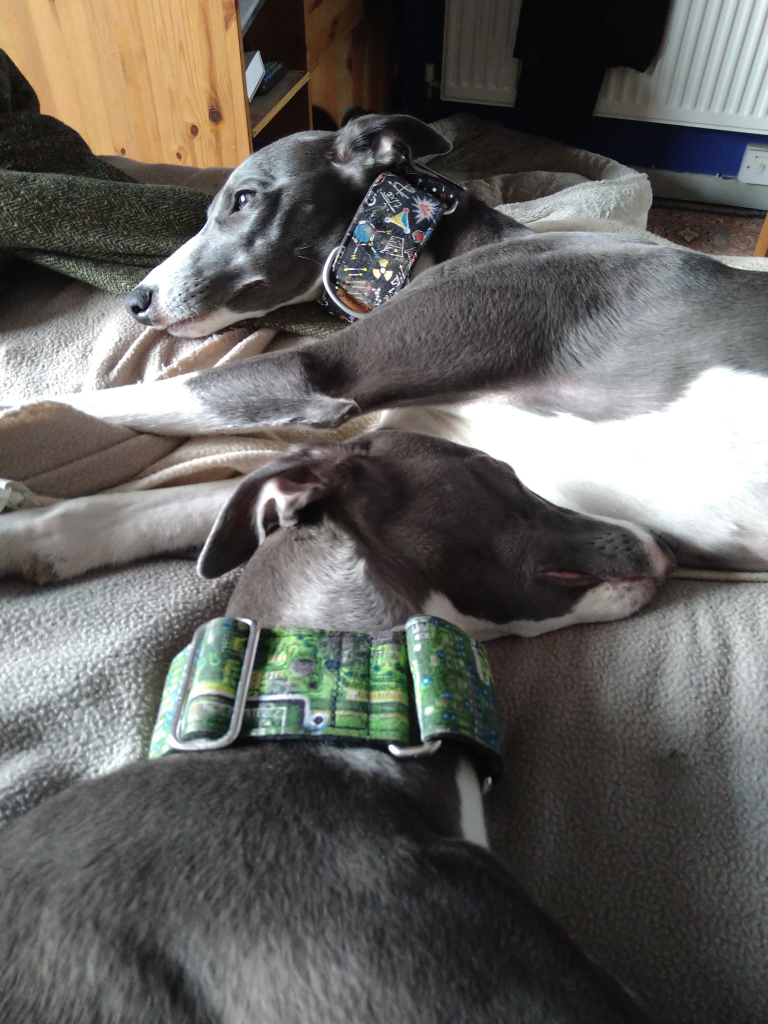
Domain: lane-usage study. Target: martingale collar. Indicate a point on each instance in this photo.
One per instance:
(392, 225)
(403, 691)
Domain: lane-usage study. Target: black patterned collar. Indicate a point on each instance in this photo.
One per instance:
(392, 225)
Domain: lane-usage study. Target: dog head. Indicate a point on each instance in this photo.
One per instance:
(271, 227)
(362, 535)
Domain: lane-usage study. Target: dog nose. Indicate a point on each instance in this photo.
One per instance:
(138, 303)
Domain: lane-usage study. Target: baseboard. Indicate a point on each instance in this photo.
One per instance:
(706, 188)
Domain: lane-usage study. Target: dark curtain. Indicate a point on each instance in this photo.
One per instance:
(566, 46)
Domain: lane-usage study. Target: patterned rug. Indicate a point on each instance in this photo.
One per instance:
(718, 229)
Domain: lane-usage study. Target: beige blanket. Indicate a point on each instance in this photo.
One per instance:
(634, 806)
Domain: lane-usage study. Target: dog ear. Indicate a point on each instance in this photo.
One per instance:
(382, 141)
(271, 497)
(351, 114)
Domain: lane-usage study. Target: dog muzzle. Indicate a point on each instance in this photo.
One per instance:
(392, 225)
(404, 692)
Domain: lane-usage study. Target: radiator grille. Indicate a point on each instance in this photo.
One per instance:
(478, 66)
(711, 72)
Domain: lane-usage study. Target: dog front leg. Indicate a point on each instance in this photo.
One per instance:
(159, 407)
(73, 537)
(268, 390)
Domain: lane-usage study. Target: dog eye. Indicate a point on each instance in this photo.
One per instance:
(242, 199)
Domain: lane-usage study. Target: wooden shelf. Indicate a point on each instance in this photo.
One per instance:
(167, 84)
(264, 108)
(248, 11)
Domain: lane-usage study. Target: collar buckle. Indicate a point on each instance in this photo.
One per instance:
(241, 694)
(331, 293)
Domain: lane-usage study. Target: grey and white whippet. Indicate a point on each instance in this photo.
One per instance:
(292, 882)
(454, 531)
(617, 377)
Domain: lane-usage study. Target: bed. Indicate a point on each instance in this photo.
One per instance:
(635, 803)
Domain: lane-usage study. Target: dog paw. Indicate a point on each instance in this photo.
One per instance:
(319, 412)
(37, 570)
(37, 545)
(332, 412)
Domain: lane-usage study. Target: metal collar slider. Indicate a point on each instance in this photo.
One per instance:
(241, 694)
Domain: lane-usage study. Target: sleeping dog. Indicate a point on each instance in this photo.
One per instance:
(293, 881)
(617, 377)
(499, 559)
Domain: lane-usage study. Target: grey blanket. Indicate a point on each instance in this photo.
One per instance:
(634, 805)
(64, 208)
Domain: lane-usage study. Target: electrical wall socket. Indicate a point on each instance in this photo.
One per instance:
(754, 166)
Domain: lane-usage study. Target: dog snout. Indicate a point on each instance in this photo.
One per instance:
(607, 551)
(138, 303)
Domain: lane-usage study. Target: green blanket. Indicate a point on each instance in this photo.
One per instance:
(63, 208)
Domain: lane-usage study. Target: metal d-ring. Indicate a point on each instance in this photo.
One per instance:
(329, 291)
(423, 749)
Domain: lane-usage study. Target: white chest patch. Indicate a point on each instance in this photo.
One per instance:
(697, 470)
(471, 804)
(603, 603)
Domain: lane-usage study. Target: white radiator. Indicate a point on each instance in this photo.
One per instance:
(711, 71)
(478, 66)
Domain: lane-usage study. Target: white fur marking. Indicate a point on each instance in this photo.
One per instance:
(71, 537)
(471, 804)
(603, 603)
(224, 317)
(696, 470)
(162, 407)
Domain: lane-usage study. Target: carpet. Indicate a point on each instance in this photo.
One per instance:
(705, 227)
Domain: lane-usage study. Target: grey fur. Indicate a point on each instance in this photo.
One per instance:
(600, 325)
(584, 327)
(596, 326)
(273, 884)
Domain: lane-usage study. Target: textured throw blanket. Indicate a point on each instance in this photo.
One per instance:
(634, 805)
(61, 207)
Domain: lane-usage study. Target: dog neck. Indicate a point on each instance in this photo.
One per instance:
(444, 789)
(471, 225)
(276, 588)
(273, 590)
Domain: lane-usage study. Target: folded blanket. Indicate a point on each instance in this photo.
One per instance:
(61, 207)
